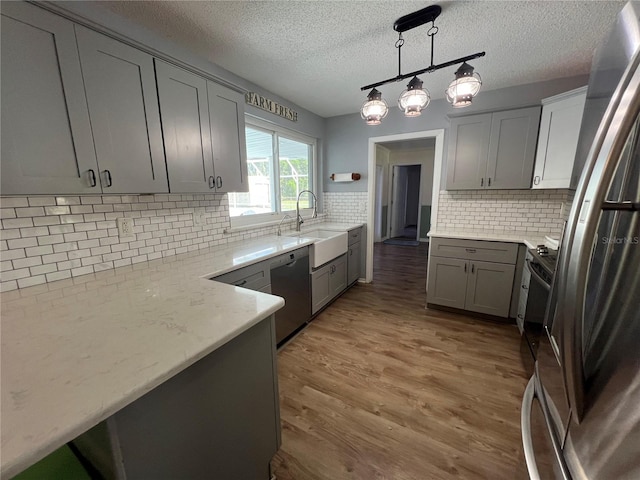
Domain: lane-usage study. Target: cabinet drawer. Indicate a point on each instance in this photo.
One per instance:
(355, 235)
(501, 252)
(253, 277)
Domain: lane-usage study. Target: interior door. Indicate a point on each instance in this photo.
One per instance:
(398, 200)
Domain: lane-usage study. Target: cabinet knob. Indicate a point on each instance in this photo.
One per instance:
(520, 316)
(524, 287)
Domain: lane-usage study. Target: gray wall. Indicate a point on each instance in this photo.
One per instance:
(347, 136)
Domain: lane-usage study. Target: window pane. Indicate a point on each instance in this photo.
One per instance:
(259, 198)
(295, 168)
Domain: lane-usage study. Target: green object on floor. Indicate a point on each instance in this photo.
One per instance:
(60, 465)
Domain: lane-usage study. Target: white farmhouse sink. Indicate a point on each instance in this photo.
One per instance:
(327, 246)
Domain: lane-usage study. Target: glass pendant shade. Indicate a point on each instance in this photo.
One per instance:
(414, 99)
(464, 87)
(374, 109)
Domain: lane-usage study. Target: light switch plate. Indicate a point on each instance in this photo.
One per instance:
(125, 227)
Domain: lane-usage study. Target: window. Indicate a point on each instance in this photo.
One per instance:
(273, 185)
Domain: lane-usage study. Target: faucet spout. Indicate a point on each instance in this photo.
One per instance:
(299, 219)
(286, 215)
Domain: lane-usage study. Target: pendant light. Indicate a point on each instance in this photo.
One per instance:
(374, 109)
(464, 87)
(414, 99)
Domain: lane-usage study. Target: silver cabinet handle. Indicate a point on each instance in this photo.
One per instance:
(472, 268)
(218, 182)
(621, 206)
(536, 180)
(525, 287)
(482, 182)
(489, 182)
(212, 182)
(470, 250)
(465, 268)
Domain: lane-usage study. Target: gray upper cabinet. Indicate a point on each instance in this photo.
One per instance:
(512, 148)
(226, 114)
(186, 129)
(125, 120)
(468, 151)
(47, 146)
(493, 150)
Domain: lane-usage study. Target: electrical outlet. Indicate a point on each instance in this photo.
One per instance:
(125, 227)
(198, 217)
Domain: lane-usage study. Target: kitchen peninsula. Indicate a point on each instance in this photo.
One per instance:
(81, 351)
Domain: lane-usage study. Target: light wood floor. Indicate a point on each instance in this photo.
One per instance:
(378, 387)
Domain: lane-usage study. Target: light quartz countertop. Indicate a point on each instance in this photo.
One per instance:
(76, 351)
(531, 240)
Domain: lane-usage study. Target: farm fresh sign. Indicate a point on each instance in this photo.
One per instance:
(270, 106)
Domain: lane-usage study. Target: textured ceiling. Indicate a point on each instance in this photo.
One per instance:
(318, 54)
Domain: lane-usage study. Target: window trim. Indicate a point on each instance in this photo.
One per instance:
(279, 131)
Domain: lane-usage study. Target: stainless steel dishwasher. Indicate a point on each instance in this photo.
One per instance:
(290, 280)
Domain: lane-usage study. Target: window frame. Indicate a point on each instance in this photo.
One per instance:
(277, 132)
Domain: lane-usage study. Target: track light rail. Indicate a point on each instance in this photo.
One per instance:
(429, 69)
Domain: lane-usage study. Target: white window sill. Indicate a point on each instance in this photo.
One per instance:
(271, 223)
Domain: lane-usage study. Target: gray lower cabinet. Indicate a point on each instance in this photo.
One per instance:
(489, 287)
(327, 282)
(354, 255)
(447, 283)
(47, 147)
(125, 120)
(477, 276)
(353, 266)
(219, 418)
(493, 150)
(214, 158)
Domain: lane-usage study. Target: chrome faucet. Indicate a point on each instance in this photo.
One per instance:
(286, 215)
(299, 220)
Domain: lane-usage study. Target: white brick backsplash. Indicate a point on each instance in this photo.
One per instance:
(77, 235)
(348, 207)
(537, 211)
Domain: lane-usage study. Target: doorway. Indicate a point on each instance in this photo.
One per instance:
(378, 214)
(405, 203)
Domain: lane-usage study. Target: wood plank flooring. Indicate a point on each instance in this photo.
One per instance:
(378, 387)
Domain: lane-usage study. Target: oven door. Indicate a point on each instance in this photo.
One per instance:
(536, 306)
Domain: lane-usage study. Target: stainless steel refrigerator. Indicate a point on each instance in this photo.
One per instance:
(581, 408)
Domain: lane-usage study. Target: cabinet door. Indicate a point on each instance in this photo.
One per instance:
(512, 148)
(320, 290)
(558, 142)
(489, 287)
(468, 150)
(47, 146)
(338, 277)
(353, 265)
(447, 282)
(226, 114)
(185, 124)
(123, 106)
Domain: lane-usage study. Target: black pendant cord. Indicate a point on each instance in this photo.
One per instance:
(399, 45)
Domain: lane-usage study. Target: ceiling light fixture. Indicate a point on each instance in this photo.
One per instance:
(464, 87)
(414, 99)
(374, 109)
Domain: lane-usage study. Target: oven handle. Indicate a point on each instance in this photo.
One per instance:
(537, 276)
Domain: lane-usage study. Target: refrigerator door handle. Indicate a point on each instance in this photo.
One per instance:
(592, 190)
(525, 428)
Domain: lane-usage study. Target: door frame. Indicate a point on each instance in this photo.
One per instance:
(438, 158)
